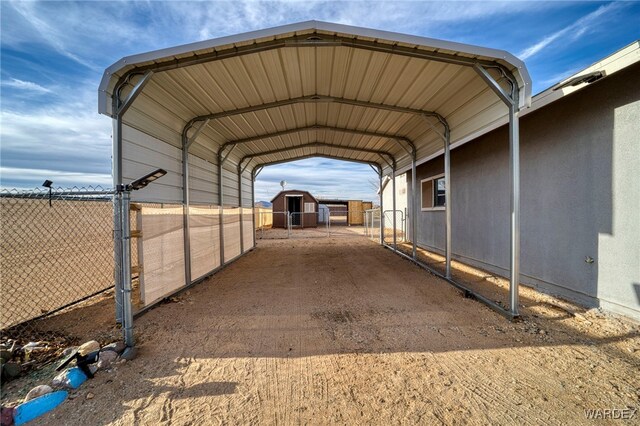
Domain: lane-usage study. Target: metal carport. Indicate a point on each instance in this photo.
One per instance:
(228, 107)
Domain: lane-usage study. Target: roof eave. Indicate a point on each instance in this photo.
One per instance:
(505, 58)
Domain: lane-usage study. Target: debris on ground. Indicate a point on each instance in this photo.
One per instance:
(77, 365)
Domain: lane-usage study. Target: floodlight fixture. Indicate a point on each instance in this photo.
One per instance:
(48, 184)
(147, 179)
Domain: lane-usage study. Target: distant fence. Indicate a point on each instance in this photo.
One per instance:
(264, 217)
(55, 250)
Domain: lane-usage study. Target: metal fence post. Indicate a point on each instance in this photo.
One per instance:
(125, 240)
(117, 254)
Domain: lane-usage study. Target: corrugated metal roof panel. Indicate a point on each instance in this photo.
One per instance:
(348, 63)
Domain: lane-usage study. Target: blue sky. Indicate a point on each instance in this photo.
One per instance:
(53, 55)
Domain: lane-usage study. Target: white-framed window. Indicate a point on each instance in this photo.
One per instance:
(433, 193)
(309, 207)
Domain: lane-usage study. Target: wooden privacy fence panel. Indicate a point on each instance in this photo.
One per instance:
(231, 218)
(264, 217)
(204, 223)
(163, 252)
(247, 226)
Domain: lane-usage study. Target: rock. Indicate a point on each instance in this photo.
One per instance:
(117, 347)
(88, 347)
(106, 359)
(542, 332)
(38, 391)
(90, 395)
(11, 370)
(129, 354)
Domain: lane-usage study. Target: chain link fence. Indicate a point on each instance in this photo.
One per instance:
(56, 250)
(272, 225)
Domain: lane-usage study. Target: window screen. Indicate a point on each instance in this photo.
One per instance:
(438, 193)
(433, 193)
(427, 194)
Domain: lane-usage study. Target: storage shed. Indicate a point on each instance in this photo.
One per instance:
(300, 205)
(345, 212)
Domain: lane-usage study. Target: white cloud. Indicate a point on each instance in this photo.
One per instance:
(572, 32)
(25, 85)
(66, 139)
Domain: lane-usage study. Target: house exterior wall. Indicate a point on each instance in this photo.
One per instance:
(310, 220)
(402, 183)
(580, 197)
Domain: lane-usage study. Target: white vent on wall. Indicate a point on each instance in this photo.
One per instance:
(309, 207)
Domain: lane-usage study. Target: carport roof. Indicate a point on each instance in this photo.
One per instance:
(314, 88)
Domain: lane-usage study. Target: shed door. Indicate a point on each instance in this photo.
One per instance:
(294, 207)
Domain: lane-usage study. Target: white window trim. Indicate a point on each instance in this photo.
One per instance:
(431, 209)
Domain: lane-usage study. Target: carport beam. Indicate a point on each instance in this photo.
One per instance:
(514, 154)
(122, 238)
(447, 202)
(414, 213)
(186, 231)
(381, 213)
(186, 144)
(393, 197)
(511, 100)
(221, 200)
(240, 208)
(253, 205)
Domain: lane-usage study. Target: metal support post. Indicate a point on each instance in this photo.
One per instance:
(393, 197)
(221, 200)
(514, 173)
(120, 106)
(414, 209)
(240, 208)
(253, 207)
(447, 202)
(381, 213)
(510, 98)
(125, 241)
(186, 230)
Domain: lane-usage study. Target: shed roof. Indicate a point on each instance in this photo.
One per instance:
(314, 89)
(294, 191)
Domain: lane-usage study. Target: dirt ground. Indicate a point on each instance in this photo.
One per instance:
(339, 330)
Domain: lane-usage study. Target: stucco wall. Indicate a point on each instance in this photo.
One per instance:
(580, 197)
(401, 202)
